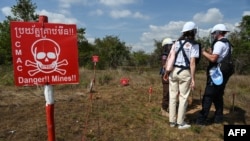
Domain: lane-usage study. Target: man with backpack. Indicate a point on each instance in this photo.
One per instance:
(182, 76)
(166, 46)
(217, 77)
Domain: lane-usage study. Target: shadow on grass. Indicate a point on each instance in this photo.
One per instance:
(235, 115)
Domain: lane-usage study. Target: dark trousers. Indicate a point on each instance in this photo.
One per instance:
(213, 95)
(165, 98)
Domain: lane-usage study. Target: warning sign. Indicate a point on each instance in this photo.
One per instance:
(44, 53)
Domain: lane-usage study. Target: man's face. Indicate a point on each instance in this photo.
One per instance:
(215, 34)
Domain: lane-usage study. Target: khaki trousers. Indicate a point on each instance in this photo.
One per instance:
(179, 90)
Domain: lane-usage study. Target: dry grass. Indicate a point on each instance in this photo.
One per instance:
(115, 112)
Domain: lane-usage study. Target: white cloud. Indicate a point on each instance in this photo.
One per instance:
(91, 40)
(57, 18)
(204, 32)
(68, 3)
(116, 2)
(127, 13)
(113, 26)
(140, 16)
(214, 1)
(231, 27)
(6, 11)
(97, 12)
(213, 15)
(65, 12)
(147, 47)
(171, 30)
(120, 13)
(245, 13)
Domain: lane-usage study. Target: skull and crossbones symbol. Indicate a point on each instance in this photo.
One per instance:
(46, 55)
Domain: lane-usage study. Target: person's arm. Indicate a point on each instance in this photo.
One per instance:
(209, 56)
(170, 60)
(192, 71)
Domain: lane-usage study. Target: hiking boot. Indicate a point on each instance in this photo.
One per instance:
(201, 121)
(218, 119)
(172, 124)
(184, 126)
(164, 113)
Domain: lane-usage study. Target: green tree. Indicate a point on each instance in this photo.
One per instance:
(112, 52)
(205, 43)
(5, 43)
(80, 35)
(245, 28)
(140, 58)
(85, 50)
(241, 46)
(24, 10)
(156, 55)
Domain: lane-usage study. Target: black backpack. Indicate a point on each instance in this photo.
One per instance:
(226, 65)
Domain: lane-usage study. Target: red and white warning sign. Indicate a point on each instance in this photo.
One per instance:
(44, 53)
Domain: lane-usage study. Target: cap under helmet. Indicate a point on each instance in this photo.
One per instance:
(219, 27)
(188, 26)
(167, 41)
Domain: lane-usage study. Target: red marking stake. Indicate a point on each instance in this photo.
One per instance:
(150, 93)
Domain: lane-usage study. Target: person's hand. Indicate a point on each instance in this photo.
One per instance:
(207, 49)
(192, 85)
(165, 76)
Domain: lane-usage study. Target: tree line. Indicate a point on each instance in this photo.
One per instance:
(113, 52)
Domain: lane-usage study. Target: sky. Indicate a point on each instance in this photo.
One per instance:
(138, 23)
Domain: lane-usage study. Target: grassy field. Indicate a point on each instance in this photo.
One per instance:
(112, 112)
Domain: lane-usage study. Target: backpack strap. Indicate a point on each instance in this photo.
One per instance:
(184, 55)
(228, 56)
(224, 40)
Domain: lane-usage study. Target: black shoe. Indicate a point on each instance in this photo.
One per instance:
(218, 119)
